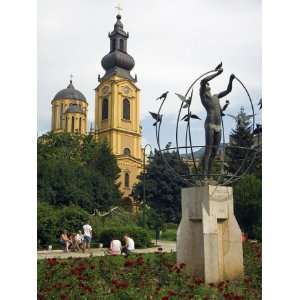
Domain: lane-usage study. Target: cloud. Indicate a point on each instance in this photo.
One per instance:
(172, 43)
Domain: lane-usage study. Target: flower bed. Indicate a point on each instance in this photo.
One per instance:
(147, 276)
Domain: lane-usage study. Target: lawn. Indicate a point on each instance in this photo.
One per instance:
(146, 276)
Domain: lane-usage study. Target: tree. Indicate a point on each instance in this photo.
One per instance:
(238, 154)
(248, 205)
(163, 185)
(75, 170)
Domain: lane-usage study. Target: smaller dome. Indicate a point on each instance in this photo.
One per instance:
(74, 108)
(70, 93)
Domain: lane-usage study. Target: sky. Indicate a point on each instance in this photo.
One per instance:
(172, 42)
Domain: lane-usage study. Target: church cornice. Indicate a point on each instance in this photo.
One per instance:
(99, 131)
(121, 157)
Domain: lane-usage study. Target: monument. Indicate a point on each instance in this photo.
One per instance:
(208, 238)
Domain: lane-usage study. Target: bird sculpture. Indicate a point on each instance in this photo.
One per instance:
(156, 117)
(241, 118)
(189, 116)
(186, 101)
(224, 108)
(260, 104)
(163, 96)
(219, 66)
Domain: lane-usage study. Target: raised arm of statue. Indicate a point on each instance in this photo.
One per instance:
(229, 88)
(210, 77)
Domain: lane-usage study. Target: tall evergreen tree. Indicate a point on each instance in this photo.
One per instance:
(239, 153)
(163, 186)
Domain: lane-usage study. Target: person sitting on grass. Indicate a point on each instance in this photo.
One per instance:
(115, 247)
(65, 241)
(129, 245)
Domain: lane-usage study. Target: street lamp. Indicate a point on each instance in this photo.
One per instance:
(144, 173)
(144, 180)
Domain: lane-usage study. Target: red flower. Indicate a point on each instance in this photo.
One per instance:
(129, 263)
(199, 280)
(165, 298)
(182, 265)
(171, 293)
(52, 261)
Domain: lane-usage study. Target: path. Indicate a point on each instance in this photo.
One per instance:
(167, 246)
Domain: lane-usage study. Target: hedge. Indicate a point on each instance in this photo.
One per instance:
(140, 236)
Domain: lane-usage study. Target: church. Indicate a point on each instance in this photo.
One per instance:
(117, 110)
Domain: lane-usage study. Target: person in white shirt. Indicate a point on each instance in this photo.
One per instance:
(129, 245)
(87, 236)
(79, 239)
(115, 247)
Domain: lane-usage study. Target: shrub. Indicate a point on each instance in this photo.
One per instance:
(51, 221)
(140, 236)
(248, 204)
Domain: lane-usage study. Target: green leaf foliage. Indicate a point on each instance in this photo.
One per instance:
(75, 170)
(140, 236)
(163, 186)
(51, 221)
(248, 205)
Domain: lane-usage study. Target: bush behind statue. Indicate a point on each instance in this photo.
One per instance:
(141, 236)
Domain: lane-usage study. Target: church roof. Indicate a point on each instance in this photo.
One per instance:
(70, 93)
(118, 61)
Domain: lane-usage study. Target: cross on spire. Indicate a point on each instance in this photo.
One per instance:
(118, 8)
(71, 77)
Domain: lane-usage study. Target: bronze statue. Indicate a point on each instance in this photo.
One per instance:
(213, 133)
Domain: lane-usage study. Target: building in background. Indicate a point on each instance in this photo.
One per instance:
(69, 111)
(117, 110)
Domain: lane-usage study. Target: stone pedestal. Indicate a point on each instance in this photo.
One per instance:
(209, 237)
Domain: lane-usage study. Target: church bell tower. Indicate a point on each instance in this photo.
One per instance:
(117, 109)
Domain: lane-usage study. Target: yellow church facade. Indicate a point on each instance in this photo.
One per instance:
(117, 120)
(117, 110)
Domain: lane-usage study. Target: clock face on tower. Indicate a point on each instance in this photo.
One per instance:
(126, 90)
(105, 90)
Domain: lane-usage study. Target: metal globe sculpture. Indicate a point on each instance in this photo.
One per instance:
(201, 171)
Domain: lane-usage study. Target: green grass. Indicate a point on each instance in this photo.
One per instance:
(144, 276)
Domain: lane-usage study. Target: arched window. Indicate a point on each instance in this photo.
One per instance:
(105, 109)
(61, 115)
(126, 151)
(113, 45)
(126, 182)
(126, 109)
(121, 45)
(79, 124)
(73, 124)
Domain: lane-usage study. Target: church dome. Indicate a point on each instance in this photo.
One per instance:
(70, 93)
(117, 59)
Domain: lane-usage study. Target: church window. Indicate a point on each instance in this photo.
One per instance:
(105, 109)
(126, 109)
(126, 182)
(126, 151)
(113, 46)
(121, 45)
(61, 115)
(73, 124)
(80, 124)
